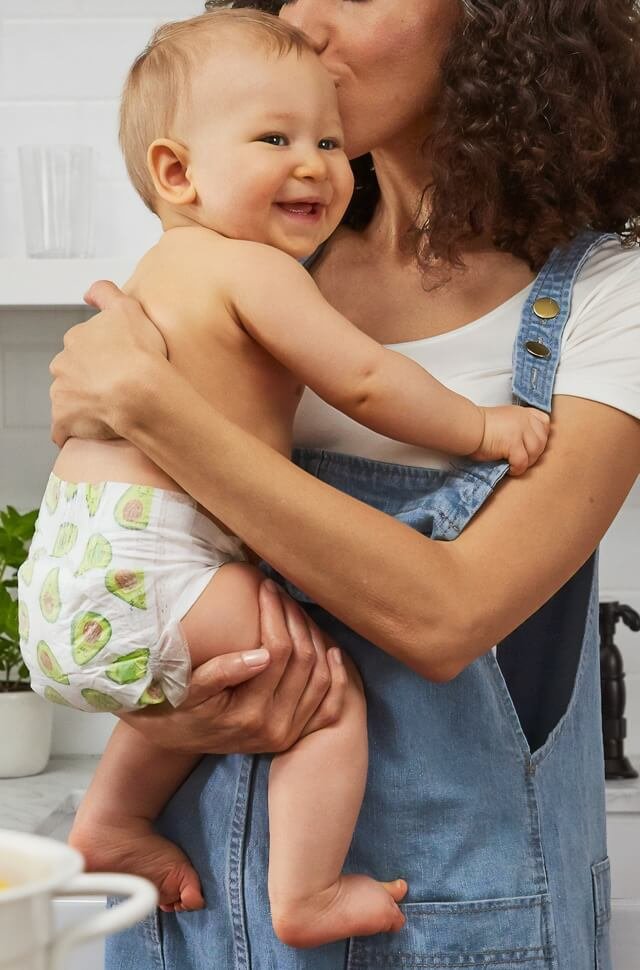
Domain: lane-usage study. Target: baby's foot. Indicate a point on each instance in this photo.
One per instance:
(353, 906)
(132, 845)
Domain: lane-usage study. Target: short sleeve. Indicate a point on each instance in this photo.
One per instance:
(600, 357)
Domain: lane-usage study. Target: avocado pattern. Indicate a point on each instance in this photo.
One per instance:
(52, 494)
(49, 665)
(23, 620)
(55, 698)
(127, 585)
(65, 540)
(90, 633)
(129, 668)
(93, 496)
(133, 509)
(25, 573)
(97, 555)
(99, 700)
(154, 694)
(50, 604)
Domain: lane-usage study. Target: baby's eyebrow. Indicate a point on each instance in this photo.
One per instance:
(282, 115)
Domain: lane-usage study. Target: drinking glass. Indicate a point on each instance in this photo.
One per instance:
(57, 200)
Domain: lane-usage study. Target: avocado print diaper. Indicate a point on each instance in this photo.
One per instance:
(112, 569)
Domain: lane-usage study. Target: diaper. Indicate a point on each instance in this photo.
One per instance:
(112, 569)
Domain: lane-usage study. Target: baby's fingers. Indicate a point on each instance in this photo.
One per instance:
(541, 416)
(535, 444)
(518, 459)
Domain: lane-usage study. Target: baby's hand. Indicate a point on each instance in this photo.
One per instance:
(516, 433)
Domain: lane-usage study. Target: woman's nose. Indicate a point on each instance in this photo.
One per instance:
(308, 16)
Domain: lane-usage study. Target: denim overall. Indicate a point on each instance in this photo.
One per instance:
(486, 793)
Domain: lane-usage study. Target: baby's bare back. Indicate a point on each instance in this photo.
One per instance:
(182, 285)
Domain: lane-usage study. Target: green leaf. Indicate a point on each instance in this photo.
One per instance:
(16, 533)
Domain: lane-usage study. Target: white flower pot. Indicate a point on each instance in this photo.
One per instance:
(26, 724)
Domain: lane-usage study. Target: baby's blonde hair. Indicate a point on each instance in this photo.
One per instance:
(158, 83)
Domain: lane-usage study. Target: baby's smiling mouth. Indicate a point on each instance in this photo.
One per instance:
(307, 208)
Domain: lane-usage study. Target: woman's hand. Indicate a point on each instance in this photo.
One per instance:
(101, 360)
(233, 707)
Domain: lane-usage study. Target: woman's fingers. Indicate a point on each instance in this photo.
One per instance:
(213, 716)
(87, 402)
(310, 717)
(259, 700)
(102, 294)
(321, 696)
(274, 636)
(227, 670)
(306, 679)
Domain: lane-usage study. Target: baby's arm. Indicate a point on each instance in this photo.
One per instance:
(279, 305)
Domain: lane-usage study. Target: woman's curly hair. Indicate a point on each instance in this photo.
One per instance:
(537, 133)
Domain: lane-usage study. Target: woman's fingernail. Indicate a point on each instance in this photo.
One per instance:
(256, 658)
(271, 586)
(336, 654)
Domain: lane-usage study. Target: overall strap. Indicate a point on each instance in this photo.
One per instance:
(536, 352)
(309, 261)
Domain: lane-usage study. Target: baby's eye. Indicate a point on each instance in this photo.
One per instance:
(280, 141)
(329, 144)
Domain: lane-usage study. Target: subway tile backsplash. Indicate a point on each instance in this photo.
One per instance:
(61, 68)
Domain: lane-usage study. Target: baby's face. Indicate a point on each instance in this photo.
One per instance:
(265, 146)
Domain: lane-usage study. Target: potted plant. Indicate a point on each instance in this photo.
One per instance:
(26, 720)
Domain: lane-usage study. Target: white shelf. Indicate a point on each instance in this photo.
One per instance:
(56, 282)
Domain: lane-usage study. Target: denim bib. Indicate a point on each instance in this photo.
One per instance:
(486, 793)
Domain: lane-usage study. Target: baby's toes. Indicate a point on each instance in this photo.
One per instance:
(191, 896)
(180, 890)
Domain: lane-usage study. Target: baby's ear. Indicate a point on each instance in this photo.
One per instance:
(168, 164)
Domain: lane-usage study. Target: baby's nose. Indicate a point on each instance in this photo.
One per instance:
(313, 165)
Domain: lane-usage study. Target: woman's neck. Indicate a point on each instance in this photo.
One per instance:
(403, 172)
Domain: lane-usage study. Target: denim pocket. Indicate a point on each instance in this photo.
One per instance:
(496, 934)
(601, 880)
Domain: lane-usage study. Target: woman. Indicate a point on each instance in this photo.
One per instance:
(503, 143)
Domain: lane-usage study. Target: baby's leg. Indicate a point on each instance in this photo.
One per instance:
(113, 827)
(315, 793)
(135, 778)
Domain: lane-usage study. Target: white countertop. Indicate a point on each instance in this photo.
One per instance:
(624, 796)
(26, 802)
(56, 282)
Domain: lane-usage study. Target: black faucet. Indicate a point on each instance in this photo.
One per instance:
(614, 724)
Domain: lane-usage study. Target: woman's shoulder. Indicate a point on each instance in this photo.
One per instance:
(607, 289)
(601, 343)
(611, 264)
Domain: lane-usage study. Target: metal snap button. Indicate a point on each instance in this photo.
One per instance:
(546, 309)
(536, 349)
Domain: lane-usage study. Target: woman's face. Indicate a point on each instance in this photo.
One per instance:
(385, 57)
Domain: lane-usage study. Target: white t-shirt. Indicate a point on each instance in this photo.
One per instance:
(600, 360)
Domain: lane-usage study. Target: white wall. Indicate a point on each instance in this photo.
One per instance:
(61, 68)
(62, 64)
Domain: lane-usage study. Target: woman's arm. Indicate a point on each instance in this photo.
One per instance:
(436, 606)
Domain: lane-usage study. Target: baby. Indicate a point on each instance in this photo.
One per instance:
(231, 134)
